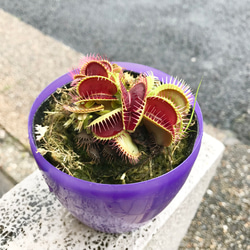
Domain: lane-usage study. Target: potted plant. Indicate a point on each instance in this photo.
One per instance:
(115, 142)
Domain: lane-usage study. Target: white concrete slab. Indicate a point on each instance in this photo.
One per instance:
(32, 218)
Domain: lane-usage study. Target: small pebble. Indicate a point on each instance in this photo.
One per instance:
(210, 192)
(225, 228)
(2, 134)
(193, 59)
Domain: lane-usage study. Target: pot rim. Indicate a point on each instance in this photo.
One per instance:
(78, 183)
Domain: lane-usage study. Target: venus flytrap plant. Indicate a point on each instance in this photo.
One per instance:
(121, 119)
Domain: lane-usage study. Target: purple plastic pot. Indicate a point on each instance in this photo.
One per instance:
(113, 208)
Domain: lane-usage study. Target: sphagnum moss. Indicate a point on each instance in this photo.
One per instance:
(61, 146)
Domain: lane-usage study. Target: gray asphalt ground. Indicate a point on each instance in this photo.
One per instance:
(188, 39)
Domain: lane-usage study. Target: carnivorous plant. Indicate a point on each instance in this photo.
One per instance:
(117, 116)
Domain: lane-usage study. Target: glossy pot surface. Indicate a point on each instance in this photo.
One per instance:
(113, 208)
